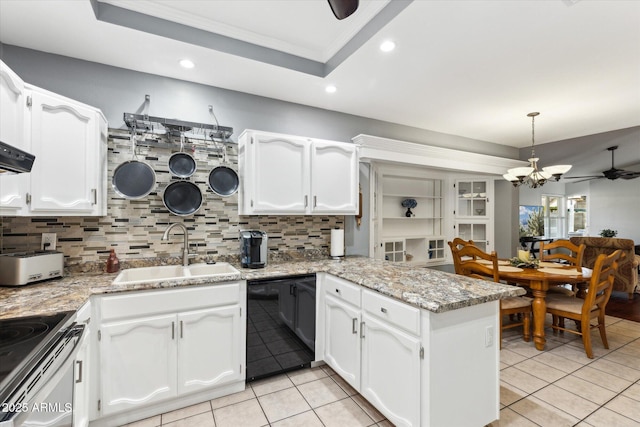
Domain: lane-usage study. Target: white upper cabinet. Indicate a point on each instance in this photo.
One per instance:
(334, 177)
(275, 173)
(12, 131)
(284, 174)
(69, 141)
(12, 101)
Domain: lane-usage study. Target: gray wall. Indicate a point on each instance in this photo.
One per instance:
(116, 91)
(506, 219)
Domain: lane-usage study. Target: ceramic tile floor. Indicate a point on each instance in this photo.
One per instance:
(557, 387)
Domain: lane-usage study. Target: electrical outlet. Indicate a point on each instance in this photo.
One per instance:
(49, 241)
(488, 336)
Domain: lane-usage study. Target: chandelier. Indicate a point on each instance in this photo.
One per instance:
(531, 175)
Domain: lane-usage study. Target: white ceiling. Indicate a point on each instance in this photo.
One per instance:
(469, 68)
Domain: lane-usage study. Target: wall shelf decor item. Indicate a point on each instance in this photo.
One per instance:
(409, 204)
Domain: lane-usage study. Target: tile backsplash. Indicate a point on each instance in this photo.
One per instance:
(134, 227)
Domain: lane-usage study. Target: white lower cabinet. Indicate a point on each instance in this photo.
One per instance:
(161, 345)
(390, 363)
(204, 359)
(342, 339)
(138, 362)
(416, 367)
(375, 358)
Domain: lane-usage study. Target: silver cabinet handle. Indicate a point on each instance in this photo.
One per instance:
(315, 201)
(94, 194)
(79, 363)
(306, 201)
(361, 329)
(354, 325)
(173, 330)
(181, 328)
(382, 309)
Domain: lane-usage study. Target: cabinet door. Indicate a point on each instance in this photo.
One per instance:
(473, 199)
(210, 346)
(138, 362)
(81, 382)
(280, 173)
(13, 188)
(479, 232)
(65, 141)
(334, 178)
(392, 387)
(342, 341)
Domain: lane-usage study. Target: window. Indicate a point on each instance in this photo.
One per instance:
(577, 212)
(555, 219)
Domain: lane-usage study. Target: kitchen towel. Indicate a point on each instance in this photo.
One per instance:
(337, 242)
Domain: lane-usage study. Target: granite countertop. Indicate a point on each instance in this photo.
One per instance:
(425, 288)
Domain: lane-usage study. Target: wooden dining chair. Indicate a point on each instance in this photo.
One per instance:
(467, 258)
(592, 306)
(567, 253)
(455, 245)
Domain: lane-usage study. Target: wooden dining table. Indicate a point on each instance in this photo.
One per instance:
(539, 280)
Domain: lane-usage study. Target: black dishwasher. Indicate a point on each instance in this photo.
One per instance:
(281, 325)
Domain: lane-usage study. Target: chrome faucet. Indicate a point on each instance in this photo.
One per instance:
(185, 250)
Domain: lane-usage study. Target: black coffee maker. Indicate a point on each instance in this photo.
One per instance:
(253, 248)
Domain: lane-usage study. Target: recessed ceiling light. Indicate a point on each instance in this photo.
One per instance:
(186, 63)
(331, 89)
(387, 46)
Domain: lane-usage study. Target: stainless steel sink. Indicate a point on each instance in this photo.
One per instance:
(172, 272)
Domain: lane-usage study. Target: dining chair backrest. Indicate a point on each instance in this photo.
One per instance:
(469, 265)
(458, 242)
(455, 246)
(561, 247)
(601, 283)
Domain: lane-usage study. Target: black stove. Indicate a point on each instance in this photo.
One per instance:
(22, 341)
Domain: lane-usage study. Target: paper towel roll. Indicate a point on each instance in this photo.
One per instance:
(337, 242)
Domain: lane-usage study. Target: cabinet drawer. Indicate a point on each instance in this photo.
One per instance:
(169, 300)
(394, 312)
(342, 289)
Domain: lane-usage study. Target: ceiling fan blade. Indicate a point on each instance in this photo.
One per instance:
(630, 175)
(582, 177)
(343, 8)
(587, 179)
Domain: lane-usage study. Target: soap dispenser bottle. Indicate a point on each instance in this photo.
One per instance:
(113, 264)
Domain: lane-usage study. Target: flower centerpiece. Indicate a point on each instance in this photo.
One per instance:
(524, 260)
(409, 204)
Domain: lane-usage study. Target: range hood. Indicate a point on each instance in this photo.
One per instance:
(13, 159)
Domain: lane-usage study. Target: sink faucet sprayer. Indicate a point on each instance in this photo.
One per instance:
(185, 250)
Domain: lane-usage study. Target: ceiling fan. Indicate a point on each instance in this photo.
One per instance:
(612, 173)
(343, 8)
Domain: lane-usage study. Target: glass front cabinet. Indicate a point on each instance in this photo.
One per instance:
(472, 199)
(473, 212)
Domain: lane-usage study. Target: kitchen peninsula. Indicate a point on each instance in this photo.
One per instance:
(426, 343)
